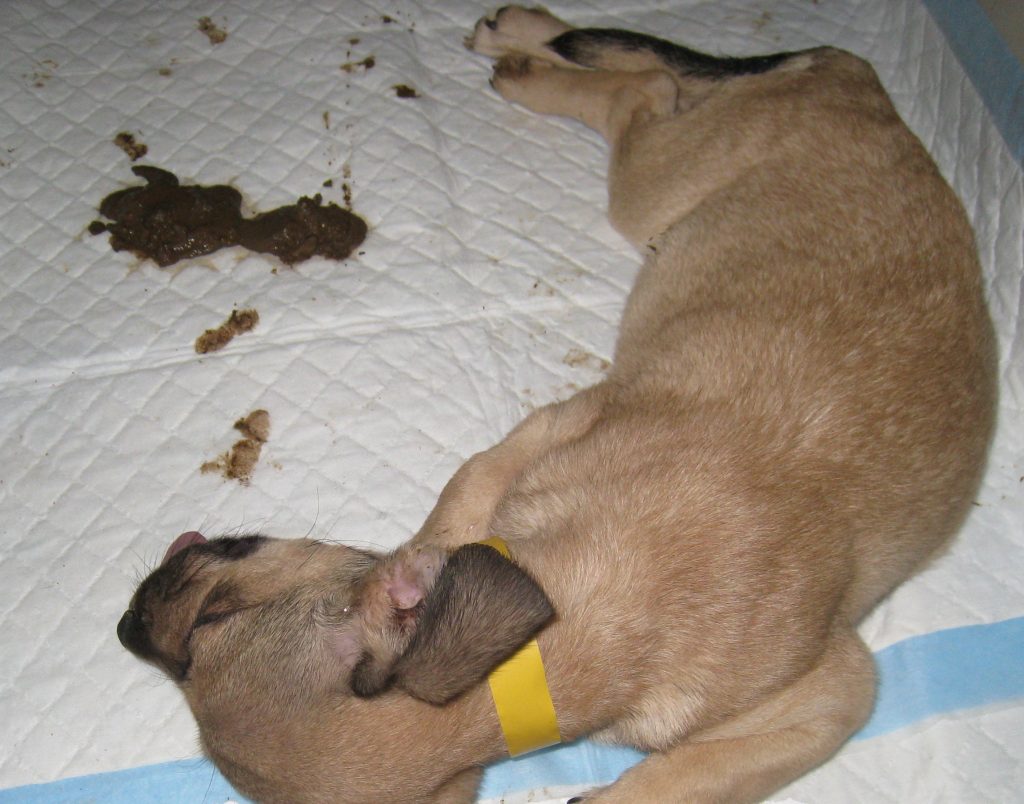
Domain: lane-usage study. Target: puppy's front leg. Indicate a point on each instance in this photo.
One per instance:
(467, 503)
(752, 755)
(460, 789)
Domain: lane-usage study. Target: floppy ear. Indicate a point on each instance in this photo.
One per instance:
(480, 611)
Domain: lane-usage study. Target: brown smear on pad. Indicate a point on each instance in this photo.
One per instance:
(215, 34)
(239, 322)
(166, 222)
(127, 143)
(238, 463)
(405, 91)
(365, 64)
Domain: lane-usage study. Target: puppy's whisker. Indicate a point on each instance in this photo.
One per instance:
(316, 516)
(209, 787)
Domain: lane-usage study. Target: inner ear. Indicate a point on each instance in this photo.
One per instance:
(481, 610)
(389, 604)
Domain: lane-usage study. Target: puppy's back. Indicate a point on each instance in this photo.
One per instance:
(826, 299)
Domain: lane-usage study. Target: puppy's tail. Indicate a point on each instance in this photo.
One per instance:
(612, 49)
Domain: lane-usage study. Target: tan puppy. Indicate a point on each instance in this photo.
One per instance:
(796, 419)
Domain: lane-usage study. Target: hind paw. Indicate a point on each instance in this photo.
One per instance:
(514, 29)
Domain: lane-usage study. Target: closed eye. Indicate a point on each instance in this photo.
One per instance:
(204, 619)
(212, 617)
(220, 603)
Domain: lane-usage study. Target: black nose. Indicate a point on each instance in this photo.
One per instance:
(128, 629)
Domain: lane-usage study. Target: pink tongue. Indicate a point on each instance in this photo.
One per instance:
(183, 541)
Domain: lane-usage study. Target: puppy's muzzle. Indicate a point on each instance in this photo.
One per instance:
(131, 633)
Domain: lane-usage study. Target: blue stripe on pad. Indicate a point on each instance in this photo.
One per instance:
(187, 781)
(947, 671)
(996, 73)
(920, 677)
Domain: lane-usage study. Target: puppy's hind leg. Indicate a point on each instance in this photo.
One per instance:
(606, 101)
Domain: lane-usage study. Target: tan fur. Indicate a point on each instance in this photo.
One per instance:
(796, 419)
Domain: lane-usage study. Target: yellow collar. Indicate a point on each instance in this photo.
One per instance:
(520, 691)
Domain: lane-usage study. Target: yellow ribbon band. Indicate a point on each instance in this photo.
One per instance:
(520, 691)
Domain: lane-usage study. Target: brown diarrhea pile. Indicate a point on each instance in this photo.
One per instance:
(166, 222)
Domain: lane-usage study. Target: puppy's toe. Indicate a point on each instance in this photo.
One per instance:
(485, 38)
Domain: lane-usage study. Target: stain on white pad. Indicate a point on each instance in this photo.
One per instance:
(488, 261)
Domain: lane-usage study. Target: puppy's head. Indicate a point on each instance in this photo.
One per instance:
(278, 642)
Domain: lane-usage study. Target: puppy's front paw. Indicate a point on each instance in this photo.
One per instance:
(514, 29)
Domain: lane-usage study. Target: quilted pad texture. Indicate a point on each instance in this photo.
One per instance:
(490, 283)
